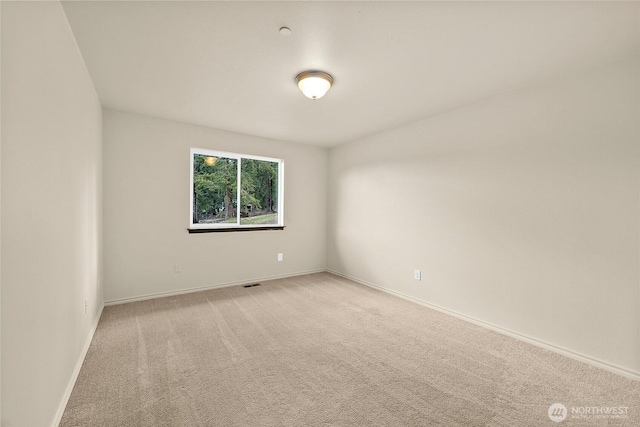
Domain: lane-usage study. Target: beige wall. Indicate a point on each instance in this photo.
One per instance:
(0, 224)
(147, 211)
(51, 211)
(522, 212)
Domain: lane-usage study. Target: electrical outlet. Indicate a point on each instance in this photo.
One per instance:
(86, 306)
(177, 268)
(280, 257)
(417, 274)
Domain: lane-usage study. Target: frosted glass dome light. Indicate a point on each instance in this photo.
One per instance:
(210, 160)
(314, 84)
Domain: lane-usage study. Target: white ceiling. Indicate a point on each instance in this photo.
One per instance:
(225, 64)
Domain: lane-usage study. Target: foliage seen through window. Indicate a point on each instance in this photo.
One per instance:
(216, 199)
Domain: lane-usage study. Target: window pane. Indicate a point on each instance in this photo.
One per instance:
(215, 190)
(259, 193)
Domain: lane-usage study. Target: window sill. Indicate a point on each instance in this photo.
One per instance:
(231, 229)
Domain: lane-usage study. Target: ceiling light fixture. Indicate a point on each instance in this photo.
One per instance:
(210, 160)
(314, 84)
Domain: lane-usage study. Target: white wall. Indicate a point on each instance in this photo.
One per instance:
(51, 211)
(0, 224)
(522, 212)
(146, 188)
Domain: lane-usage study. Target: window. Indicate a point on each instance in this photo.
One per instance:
(233, 192)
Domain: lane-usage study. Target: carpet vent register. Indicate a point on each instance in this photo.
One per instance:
(251, 285)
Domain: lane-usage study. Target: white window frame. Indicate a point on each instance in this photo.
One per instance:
(237, 225)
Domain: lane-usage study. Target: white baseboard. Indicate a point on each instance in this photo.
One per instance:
(76, 371)
(206, 288)
(565, 352)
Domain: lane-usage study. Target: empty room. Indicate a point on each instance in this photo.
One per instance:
(301, 213)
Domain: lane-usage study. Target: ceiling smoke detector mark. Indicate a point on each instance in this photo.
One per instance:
(285, 31)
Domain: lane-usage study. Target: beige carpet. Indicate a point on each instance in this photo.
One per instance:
(320, 350)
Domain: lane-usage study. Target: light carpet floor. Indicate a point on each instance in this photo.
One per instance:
(320, 350)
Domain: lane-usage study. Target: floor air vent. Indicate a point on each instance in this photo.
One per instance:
(251, 285)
